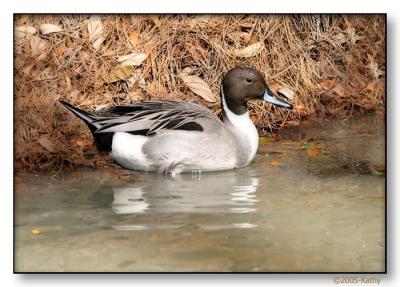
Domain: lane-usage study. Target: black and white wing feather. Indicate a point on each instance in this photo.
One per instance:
(151, 117)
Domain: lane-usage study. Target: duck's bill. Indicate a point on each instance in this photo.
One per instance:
(273, 99)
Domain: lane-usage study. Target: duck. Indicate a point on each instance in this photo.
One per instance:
(171, 137)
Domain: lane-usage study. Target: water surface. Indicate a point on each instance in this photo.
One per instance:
(311, 201)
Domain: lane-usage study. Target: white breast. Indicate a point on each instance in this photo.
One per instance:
(245, 128)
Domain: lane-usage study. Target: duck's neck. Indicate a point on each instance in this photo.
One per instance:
(243, 127)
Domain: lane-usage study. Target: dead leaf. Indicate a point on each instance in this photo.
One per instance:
(265, 139)
(247, 25)
(83, 142)
(307, 124)
(49, 28)
(203, 18)
(134, 78)
(45, 142)
(60, 50)
(341, 38)
(328, 84)
(250, 50)
(286, 91)
(95, 30)
(143, 84)
(24, 31)
(313, 152)
(36, 231)
(274, 87)
(300, 110)
(353, 35)
(374, 68)
(135, 96)
(133, 38)
(275, 162)
(365, 135)
(118, 74)
(151, 50)
(38, 47)
(156, 20)
(199, 87)
(132, 59)
(376, 197)
(380, 168)
(243, 36)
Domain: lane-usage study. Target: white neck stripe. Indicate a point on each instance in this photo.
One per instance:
(244, 126)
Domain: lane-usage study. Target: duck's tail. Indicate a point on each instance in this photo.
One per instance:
(86, 117)
(103, 140)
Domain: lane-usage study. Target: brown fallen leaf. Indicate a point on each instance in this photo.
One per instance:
(286, 91)
(118, 74)
(45, 142)
(300, 110)
(328, 84)
(274, 87)
(60, 50)
(341, 38)
(83, 142)
(307, 124)
(49, 28)
(275, 162)
(132, 59)
(374, 68)
(376, 197)
(313, 152)
(250, 50)
(365, 135)
(380, 168)
(36, 231)
(265, 139)
(203, 18)
(95, 30)
(133, 38)
(199, 87)
(156, 20)
(24, 31)
(353, 35)
(38, 47)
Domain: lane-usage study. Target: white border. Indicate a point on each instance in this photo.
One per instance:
(187, 6)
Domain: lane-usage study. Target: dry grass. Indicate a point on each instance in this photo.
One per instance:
(334, 65)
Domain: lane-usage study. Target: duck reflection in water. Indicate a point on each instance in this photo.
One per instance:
(230, 191)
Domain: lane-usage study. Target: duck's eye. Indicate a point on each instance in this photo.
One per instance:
(249, 81)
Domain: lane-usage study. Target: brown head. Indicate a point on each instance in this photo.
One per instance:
(242, 84)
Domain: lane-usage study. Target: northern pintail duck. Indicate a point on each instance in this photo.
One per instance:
(173, 137)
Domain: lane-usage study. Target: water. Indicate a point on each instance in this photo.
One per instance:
(312, 201)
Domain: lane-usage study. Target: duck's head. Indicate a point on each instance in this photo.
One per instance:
(241, 85)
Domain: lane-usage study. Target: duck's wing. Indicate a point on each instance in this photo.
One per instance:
(152, 117)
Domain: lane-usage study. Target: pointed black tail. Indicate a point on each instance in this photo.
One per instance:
(86, 117)
(103, 140)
